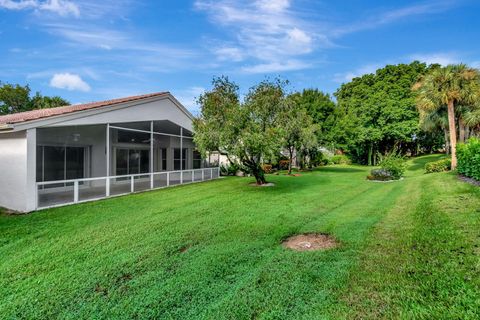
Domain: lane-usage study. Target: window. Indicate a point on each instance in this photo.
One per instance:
(164, 159)
(60, 163)
(176, 159)
(132, 161)
(197, 159)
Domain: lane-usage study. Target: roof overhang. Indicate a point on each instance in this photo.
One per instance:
(52, 120)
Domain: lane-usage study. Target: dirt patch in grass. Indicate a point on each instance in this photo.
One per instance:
(310, 242)
(268, 184)
(184, 248)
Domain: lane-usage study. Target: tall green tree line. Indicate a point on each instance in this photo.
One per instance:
(17, 98)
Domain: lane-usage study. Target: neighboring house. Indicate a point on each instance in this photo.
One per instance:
(77, 153)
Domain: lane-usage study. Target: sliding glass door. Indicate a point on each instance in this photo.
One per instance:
(60, 163)
(132, 161)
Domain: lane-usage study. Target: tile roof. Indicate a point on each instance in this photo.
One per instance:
(46, 113)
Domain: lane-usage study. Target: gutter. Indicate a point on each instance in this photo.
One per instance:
(5, 127)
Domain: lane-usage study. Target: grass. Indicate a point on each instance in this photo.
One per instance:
(409, 249)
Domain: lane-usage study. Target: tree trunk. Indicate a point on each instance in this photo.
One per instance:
(453, 133)
(370, 153)
(259, 175)
(461, 130)
(447, 141)
(290, 151)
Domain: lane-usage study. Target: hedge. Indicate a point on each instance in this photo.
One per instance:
(438, 166)
(468, 156)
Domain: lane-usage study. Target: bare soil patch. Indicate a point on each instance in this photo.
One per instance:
(269, 184)
(310, 242)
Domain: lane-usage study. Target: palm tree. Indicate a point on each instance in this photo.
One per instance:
(450, 86)
(472, 119)
(436, 120)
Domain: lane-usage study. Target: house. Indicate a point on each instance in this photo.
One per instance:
(77, 153)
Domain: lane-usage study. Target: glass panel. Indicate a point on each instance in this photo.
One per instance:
(197, 160)
(133, 161)
(75, 159)
(184, 159)
(176, 159)
(54, 163)
(120, 186)
(144, 161)
(164, 159)
(55, 196)
(160, 180)
(122, 162)
(92, 189)
(141, 183)
(39, 163)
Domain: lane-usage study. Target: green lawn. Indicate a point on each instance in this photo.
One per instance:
(409, 249)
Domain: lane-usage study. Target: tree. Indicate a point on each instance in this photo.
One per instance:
(248, 132)
(377, 112)
(452, 85)
(298, 129)
(16, 98)
(320, 107)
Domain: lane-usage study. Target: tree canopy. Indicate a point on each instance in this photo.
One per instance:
(17, 98)
(454, 86)
(322, 110)
(377, 112)
(249, 132)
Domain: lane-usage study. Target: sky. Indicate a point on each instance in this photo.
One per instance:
(88, 50)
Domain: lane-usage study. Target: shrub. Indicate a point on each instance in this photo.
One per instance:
(395, 164)
(340, 159)
(267, 168)
(393, 167)
(229, 169)
(438, 166)
(380, 175)
(283, 164)
(468, 156)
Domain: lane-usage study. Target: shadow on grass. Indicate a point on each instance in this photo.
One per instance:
(420, 162)
(339, 169)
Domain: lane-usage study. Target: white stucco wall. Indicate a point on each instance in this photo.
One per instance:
(13, 170)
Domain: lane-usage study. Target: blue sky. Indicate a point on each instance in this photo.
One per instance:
(87, 50)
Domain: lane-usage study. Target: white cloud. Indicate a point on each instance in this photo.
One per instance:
(273, 5)
(69, 81)
(394, 15)
(267, 31)
(275, 66)
(60, 7)
(443, 59)
(18, 5)
(229, 54)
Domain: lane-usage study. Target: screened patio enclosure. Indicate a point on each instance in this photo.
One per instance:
(88, 162)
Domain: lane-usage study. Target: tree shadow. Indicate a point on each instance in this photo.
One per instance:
(339, 169)
(420, 162)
